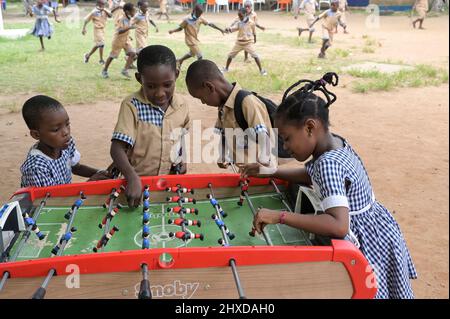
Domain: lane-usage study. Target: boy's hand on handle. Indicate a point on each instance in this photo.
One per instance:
(223, 165)
(264, 217)
(247, 170)
(133, 191)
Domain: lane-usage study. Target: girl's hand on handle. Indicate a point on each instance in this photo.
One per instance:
(265, 217)
(100, 175)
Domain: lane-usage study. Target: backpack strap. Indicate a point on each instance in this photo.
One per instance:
(238, 114)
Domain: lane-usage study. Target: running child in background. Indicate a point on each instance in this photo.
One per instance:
(43, 27)
(191, 26)
(98, 16)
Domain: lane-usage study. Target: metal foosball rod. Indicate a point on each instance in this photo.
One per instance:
(252, 208)
(40, 292)
(25, 237)
(184, 234)
(225, 236)
(282, 197)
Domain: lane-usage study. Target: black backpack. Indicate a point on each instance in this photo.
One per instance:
(271, 109)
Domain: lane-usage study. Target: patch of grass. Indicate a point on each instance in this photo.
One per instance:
(422, 75)
(368, 50)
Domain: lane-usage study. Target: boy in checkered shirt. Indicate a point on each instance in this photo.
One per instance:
(53, 159)
(148, 137)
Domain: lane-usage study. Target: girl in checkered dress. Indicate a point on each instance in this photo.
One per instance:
(338, 176)
(53, 159)
(42, 27)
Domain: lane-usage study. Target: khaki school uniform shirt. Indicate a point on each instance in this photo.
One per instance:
(122, 38)
(246, 31)
(308, 6)
(149, 132)
(330, 19)
(191, 28)
(98, 18)
(254, 111)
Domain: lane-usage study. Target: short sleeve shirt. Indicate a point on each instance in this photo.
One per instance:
(152, 134)
(246, 31)
(191, 28)
(40, 170)
(330, 19)
(98, 18)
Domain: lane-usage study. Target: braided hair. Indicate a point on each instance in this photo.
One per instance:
(303, 103)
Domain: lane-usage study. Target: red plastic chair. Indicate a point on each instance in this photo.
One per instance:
(281, 4)
(185, 2)
(239, 2)
(210, 3)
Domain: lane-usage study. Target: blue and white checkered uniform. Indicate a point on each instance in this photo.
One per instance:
(146, 113)
(39, 170)
(340, 179)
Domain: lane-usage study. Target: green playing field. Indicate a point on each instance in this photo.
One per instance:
(129, 221)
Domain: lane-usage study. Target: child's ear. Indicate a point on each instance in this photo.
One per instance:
(209, 86)
(177, 73)
(137, 75)
(35, 134)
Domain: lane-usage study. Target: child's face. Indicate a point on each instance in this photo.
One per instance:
(131, 12)
(101, 4)
(241, 16)
(334, 6)
(54, 129)
(198, 12)
(206, 93)
(144, 7)
(248, 8)
(296, 139)
(158, 84)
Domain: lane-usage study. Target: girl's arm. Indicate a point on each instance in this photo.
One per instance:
(291, 174)
(84, 170)
(333, 223)
(133, 191)
(56, 16)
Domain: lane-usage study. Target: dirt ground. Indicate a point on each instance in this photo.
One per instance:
(402, 136)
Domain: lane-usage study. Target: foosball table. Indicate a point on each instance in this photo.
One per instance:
(191, 237)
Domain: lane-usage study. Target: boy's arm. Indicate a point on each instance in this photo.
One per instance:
(133, 191)
(212, 25)
(153, 24)
(86, 21)
(176, 30)
(260, 27)
(108, 13)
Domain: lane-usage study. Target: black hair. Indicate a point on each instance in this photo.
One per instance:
(128, 6)
(197, 7)
(34, 107)
(141, 2)
(156, 55)
(243, 11)
(304, 104)
(202, 70)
